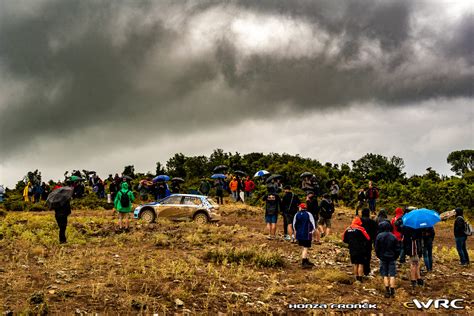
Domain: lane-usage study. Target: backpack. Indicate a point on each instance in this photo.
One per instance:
(124, 199)
(325, 211)
(467, 229)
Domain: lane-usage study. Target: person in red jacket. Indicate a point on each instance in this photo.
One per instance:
(396, 228)
(249, 187)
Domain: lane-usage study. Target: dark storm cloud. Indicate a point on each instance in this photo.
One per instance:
(103, 63)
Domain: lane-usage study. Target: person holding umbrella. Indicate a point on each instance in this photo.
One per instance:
(219, 186)
(123, 204)
(59, 201)
(413, 224)
(176, 184)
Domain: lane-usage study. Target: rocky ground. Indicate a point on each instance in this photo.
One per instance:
(184, 268)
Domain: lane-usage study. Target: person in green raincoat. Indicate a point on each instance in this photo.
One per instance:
(123, 204)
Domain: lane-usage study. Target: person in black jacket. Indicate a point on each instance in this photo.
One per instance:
(461, 237)
(326, 209)
(289, 207)
(387, 249)
(61, 212)
(371, 228)
(361, 201)
(313, 208)
(272, 208)
(357, 238)
(427, 237)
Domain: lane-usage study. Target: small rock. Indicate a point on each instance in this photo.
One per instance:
(364, 301)
(260, 303)
(51, 292)
(329, 287)
(178, 302)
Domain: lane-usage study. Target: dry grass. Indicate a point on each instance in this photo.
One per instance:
(225, 268)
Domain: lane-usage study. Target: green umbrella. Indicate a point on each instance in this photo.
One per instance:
(75, 178)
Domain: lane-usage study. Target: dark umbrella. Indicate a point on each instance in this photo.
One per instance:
(240, 172)
(127, 177)
(220, 167)
(275, 176)
(91, 172)
(218, 176)
(177, 179)
(59, 196)
(306, 174)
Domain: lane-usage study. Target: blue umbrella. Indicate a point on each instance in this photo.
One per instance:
(261, 173)
(218, 176)
(161, 177)
(421, 218)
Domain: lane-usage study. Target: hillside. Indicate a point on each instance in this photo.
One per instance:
(181, 267)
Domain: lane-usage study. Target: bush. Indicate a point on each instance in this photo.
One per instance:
(91, 202)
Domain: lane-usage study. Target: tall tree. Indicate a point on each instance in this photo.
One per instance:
(462, 161)
(160, 169)
(175, 166)
(377, 167)
(129, 171)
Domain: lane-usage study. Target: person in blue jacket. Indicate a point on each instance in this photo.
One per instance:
(304, 226)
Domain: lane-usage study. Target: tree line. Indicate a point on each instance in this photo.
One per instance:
(430, 190)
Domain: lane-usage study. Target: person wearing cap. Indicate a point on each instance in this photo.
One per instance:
(289, 207)
(304, 225)
(460, 237)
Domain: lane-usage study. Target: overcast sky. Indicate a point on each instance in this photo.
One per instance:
(103, 84)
